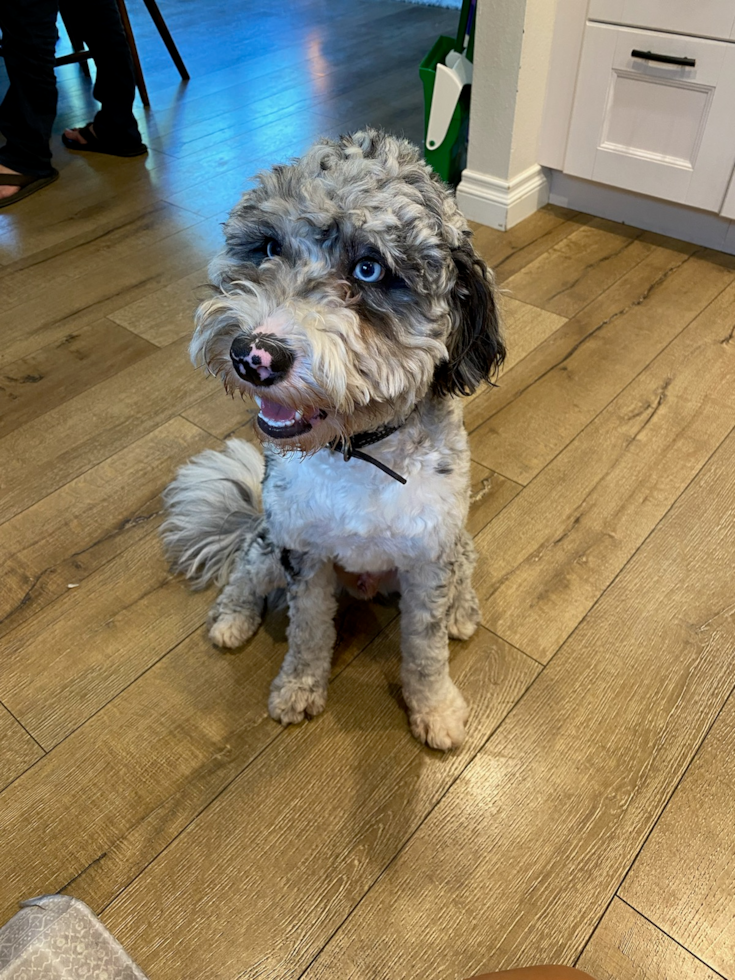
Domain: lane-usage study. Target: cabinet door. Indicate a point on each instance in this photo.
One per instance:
(702, 18)
(654, 127)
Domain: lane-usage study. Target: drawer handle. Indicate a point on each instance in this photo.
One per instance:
(665, 59)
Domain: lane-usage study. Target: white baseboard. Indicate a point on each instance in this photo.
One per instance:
(650, 213)
(502, 203)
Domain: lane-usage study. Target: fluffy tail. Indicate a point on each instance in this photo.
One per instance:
(214, 509)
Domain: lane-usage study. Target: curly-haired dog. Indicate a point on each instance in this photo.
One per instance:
(351, 306)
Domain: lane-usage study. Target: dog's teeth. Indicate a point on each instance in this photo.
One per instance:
(257, 401)
(298, 415)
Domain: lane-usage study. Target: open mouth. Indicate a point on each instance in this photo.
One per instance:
(283, 422)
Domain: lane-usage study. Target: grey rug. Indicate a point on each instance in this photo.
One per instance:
(58, 938)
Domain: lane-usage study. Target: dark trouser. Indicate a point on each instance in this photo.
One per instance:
(28, 110)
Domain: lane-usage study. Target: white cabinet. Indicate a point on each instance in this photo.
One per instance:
(653, 111)
(699, 18)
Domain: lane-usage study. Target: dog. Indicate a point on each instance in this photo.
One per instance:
(350, 304)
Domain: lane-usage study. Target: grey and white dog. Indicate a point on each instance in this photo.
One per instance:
(350, 304)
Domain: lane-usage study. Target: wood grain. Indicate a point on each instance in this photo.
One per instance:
(489, 493)
(508, 252)
(526, 327)
(684, 879)
(89, 521)
(77, 303)
(630, 292)
(141, 769)
(72, 657)
(50, 376)
(625, 946)
(223, 414)
(574, 271)
(560, 543)
(540, 828)
(91, 427)
(520, 439)
(18, 751)
(168, 313)
(345, 792)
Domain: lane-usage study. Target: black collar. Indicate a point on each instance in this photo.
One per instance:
(356, 442)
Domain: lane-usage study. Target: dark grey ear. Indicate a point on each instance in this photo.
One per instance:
(475, 346)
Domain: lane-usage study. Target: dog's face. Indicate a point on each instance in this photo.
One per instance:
(348, 288)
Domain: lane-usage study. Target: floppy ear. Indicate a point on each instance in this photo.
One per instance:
(475, 345)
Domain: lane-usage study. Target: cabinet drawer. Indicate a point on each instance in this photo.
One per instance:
(653, 127)
(701, 18)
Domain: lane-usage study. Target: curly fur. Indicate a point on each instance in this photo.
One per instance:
(353, 355)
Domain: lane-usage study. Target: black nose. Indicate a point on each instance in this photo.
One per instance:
(261, 358)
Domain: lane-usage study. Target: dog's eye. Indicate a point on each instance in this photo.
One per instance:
(273, 248)
(368, 270)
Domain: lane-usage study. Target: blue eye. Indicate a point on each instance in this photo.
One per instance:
(273, 248)
(368, 270)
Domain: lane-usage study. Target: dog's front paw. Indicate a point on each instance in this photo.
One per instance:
(441, 725)
(231, 630)
(294, 699)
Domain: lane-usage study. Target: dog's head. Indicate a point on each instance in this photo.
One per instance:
(348, 290)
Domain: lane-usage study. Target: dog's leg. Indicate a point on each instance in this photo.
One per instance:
(236, 614)
(437, 711)
(300, 690)
(464, 609)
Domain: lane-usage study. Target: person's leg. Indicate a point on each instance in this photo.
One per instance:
(114, 125)
(28, 110)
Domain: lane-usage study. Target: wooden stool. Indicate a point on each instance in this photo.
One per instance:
(80, 54)
(537, 973)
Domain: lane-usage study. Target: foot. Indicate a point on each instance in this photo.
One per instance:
(294, 699)
(440, 725)
(75, 134)
(7, 190)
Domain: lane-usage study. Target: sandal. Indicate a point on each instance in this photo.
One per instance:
(28, 184)
(95, 145)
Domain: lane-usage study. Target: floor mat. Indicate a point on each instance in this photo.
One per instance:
(56, 937)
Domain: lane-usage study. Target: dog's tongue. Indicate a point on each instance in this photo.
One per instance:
(274, 411)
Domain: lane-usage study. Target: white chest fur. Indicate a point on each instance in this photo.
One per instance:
(352, 512)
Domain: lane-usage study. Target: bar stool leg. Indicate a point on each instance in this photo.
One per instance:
(167, 39)
(139, 80)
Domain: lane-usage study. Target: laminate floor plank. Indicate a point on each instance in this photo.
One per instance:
(526, 327)
(560, 543)
(574, 271)
(74, 656)
(520, 858)
(625, 946)
(633, 290)
(684, 879)
(72, 532)
(141, 769)
(521, 438)
(489, 494)
(375, 786)
(222, 414)
(166, 315)
(50, 376)
(507, 252)
(113, 283)
(94, 425)
(18, 751)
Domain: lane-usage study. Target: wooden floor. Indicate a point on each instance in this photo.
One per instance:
(589, 817)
